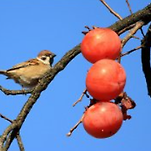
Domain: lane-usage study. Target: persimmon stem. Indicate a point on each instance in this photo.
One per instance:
(75, 126)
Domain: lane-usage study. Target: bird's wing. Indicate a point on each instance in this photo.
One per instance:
(30, 62)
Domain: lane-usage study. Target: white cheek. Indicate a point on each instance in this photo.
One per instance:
(44, 61)
(47, 61)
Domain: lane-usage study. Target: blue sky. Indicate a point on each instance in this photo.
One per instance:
(28, 27)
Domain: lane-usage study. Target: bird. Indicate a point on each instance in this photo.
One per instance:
(28, 73)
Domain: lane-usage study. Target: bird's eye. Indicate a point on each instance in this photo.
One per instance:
(43, 58)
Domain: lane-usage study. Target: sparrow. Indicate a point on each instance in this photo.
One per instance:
(28, 73)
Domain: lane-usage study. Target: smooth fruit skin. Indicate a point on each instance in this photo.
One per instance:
(105, 80)
(101, 43)
(102, 119)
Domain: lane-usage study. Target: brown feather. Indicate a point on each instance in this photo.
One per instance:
(24, 64)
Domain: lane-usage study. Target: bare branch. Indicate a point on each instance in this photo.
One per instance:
(137, 26)
(128, 52)
(142, 32)
(145, 56)
(15, 92)
(5, 134)
(18, 137)
(143, 15)
(10, 138)
(135, 37)
(125, 29)
(4, 117)
(128, 4)
(132, 32)
(111, 10)
(20, 143)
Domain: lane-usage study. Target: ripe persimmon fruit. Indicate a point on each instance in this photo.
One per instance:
(102, 119)
(105, 80)
(101, 43)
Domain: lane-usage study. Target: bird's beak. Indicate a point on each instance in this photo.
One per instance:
(53, 55)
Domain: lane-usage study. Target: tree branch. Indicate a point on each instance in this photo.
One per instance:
(144, 15)
(145, 56)
(14, 92)
(11, 136)
(130, 51)
(111, 10)
(4, 117)
(132, 32)
(20, 143)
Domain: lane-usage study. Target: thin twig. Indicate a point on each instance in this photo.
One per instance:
(7, 119)
(128, 28)
(132, 32)
(125, 29)
(81, 97)
(128, 52)
(20, 143)
(111, 10)
(137, 26)
(75, 126)
(135, 37)
(142, 32)
(128, 4)
(15, 92)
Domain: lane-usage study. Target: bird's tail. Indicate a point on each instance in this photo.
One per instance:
(3, 72)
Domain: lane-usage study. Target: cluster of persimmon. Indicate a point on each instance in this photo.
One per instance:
(105, 80)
